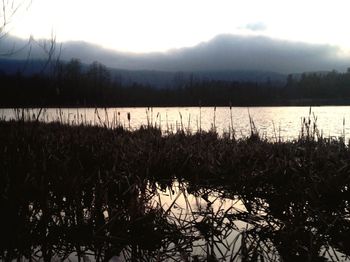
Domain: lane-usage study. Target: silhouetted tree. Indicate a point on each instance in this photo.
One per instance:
(75, 84)
(8, 9)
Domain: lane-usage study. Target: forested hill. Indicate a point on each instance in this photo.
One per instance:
(153, 78)
(72, 84)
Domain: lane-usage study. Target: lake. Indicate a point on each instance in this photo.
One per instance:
(271, 122)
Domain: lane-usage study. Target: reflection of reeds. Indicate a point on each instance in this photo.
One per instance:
(58, 182)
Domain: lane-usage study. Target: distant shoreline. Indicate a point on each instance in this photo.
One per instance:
(72, 87)
(289, 103)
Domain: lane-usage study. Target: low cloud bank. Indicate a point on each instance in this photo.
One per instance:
(224, 52)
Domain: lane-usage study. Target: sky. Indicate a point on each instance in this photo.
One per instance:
(160, 25)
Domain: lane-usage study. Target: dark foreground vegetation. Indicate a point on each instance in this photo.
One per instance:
(83, 191)
(75, 85)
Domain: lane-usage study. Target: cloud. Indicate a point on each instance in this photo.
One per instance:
(224, 52)
(261, 53)
(258, 26)
(235, 52)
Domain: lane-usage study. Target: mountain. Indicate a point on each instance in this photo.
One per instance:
(225, 57)
(223, 53)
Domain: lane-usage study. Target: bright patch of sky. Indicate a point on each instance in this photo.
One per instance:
(160, 25)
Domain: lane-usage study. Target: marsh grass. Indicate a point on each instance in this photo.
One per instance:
(87, 189)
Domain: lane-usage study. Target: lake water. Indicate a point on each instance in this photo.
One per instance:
(272, 122)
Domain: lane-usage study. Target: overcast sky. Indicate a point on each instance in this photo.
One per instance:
(160, 25)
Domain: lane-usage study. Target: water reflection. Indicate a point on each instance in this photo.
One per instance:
(272, 122)
(173, 221)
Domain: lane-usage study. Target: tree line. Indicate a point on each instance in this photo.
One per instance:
(72, 84)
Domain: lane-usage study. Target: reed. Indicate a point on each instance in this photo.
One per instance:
(86, 189)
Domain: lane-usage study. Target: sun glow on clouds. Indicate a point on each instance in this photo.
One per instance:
(159, 25)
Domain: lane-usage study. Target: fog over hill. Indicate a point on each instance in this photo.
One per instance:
(224, 52)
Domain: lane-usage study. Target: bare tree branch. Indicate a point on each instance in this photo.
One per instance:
(7, 12)
(49, 47)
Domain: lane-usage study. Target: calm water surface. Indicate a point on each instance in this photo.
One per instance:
(284, 122)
